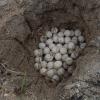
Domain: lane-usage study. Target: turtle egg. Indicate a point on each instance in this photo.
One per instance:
(48, 34)
(43, 71)
(72, 33)
(43, 64)
(74, 40)
(51, 46)
(69, 61)
(64, 57)
(61, 40)
(67, 33)
(55, 38)
(77, 32)
(50, 73)
(36, 52)
(54, 50)
(67, 39)
(48, 57)
(63, 50)
(66, 46)
(40, 52)
(38, 59)
(58, 56)
(71, 45)
(49, 41)
(60, 71)
(57, 64)
(41, 45)
(60, 34)
(37, 66)
(50, 65)
(54, 30)
(81, 39)
(59, 46)
(46, 50)
(55, 78)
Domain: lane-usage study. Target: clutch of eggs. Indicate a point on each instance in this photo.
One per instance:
(56, 52)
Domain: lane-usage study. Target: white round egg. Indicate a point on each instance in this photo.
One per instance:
(63, 50)
(48, 57)
(43, 71)
(65, 66)
(51, 46)
(66, 46)
(49, 41)
(50, 73)
(74, 40)
(50, 65)
(60, 71)
(41, 52)
(61, 39)
(37, 66)
(67, 39)
(55, 78)
(38, 59)
(37, 52)
(54, 49)
(67, 33)
(60, 34)
(54, 30)
(48, 34)
(71, 45)
(46, 50)
(58, 56)
(69, 61)
(59, 46)
(43, 64)
(55, 38)
(77, 32)
(72, 33)
(42, 45)
(57, 64)
(81, 39)
(64, 57)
